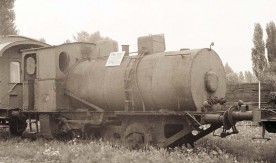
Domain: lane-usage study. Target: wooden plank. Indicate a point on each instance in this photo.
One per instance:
(248, 92)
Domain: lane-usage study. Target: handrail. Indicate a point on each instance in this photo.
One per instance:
(84, 101)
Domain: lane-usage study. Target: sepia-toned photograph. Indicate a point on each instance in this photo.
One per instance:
(137, 81)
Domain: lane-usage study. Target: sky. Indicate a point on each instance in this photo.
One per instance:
(186, 24)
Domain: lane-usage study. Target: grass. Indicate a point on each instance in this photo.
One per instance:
(235, 148)
(243, 146)
(54, 151)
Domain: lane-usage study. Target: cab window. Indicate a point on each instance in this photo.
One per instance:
(14, 72)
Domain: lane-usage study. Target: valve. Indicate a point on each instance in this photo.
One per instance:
(213, 104)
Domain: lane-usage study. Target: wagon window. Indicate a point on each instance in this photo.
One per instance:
(14, 72)
(63, 61)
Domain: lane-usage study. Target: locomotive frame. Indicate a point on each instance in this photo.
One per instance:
(42, 72)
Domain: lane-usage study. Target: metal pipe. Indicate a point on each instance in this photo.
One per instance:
(212, 118)
(242, 116)
(259, 95)
(126, 49)
(236, 116)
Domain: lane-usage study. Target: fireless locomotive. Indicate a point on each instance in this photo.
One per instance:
(92, 90)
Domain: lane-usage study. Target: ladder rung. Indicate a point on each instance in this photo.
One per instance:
(33, 132)
(129, 101)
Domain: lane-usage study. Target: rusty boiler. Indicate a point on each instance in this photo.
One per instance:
(150, 81)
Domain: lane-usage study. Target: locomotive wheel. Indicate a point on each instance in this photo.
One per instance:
(17, 126)
(136, 136)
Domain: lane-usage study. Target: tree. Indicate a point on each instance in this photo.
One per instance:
(84, 36)
(271, 41)
(227, 68)
(258, 52)
(248, 76)
(42, 40)
(231, 76)
(7, 18)
(241, 77)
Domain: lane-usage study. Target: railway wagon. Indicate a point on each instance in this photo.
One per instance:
(92, 90)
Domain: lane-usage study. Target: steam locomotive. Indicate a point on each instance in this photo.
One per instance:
(92, 90)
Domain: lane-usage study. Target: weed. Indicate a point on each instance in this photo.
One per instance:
(235, 148)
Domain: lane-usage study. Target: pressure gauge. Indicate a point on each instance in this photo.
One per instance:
(30, 68)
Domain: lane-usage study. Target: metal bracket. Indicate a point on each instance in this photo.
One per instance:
(194, 119)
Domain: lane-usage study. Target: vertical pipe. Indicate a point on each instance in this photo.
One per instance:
(259, 106)
(126, 49)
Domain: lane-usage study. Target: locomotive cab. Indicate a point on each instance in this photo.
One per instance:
(45, 70)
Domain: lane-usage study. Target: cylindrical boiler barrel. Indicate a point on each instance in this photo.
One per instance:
(180, 80)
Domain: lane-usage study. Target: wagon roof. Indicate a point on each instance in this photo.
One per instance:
(11, 41)
(54, 46)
